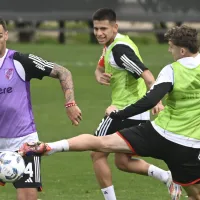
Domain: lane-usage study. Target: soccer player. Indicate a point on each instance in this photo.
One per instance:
(120, 67)
(16, 117)
(174, 135)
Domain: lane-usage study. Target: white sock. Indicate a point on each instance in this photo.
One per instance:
(58, 146)
(158, 173)
(109, 193)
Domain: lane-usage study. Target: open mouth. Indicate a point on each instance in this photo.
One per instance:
(101, 39)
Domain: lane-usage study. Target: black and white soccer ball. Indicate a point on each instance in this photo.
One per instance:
(12, 166)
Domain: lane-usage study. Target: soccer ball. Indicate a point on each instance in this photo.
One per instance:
(12, 166)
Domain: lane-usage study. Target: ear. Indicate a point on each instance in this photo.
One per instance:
(116, 28)
(183, 51)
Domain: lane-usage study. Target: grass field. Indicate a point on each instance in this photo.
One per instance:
(69, 176)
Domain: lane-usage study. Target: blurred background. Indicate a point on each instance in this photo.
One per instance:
(61, 31)
(63, 19)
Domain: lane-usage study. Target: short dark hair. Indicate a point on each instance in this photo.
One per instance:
(3, 23)
(105, 14)
(184, 36)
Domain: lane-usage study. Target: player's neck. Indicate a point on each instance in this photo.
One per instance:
(2, 52)
(111, 40)
(194, 55)
(188, 54)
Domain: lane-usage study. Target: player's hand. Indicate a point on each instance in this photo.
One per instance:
(74, 114)
(159, 107)
(104, 79)
(110, 109)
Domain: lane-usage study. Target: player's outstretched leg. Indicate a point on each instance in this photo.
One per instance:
(86, 142)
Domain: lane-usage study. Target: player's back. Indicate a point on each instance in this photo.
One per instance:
(182, 111)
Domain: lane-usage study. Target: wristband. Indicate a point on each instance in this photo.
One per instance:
(70, 104)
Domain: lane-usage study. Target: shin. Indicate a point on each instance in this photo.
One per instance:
(27, 194)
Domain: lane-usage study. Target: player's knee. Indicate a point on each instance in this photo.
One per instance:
(121, 162)
(94, 156)
(98, 155)
(27, 193)
(121, 165)
(194, 196)
(102, 144)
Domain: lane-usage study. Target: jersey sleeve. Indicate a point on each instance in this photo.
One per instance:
(34, 66)
(101, 60)
(126, 58)
(166, 75)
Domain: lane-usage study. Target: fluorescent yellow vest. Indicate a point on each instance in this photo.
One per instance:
(182, 111)
(125, 88)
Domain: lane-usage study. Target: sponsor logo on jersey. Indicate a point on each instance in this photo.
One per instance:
(6, 90)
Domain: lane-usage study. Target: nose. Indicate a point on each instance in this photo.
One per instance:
(98, 32)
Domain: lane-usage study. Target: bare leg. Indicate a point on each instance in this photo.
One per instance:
(102, 169)
(103, 174)
(85, 142)
(110, 144)
(27, 194)
(193, 191)
(126, 163)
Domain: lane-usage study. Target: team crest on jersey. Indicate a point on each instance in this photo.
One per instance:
(9, 73)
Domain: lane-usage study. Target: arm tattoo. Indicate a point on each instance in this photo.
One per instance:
(65, 77)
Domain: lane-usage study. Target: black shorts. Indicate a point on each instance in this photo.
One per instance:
(32, 176)
(183, 162)
(109, 126)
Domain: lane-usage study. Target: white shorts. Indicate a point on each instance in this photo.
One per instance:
(13, 144)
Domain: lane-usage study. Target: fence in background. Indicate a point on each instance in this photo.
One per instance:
(29, 14)
(131, 10)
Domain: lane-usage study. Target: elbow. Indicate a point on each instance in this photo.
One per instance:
(154, 103)
(96, 74)
(149, 84)
(64, 74)
(68, 71)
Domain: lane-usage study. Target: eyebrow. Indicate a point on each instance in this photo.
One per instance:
(100, 27)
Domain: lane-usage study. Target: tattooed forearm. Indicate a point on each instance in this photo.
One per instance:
(65, 77)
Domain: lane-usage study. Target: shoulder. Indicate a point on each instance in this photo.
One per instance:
(122, 48)
(17, 55)
(122, 45)
(166, 74)
(168, 69)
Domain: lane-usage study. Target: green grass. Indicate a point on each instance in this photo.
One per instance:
(69, 176)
